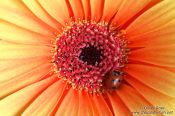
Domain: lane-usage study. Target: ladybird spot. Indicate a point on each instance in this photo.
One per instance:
(116, 82)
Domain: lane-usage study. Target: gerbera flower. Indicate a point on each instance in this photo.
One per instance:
(87, 57)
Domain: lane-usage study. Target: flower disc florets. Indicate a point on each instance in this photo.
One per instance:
(87, 52)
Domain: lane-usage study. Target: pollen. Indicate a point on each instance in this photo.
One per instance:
(87, 52)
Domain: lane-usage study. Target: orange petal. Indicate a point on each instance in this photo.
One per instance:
(87, 9)
(96, 9)
(57, 9)
(12, 68)
(134, 101)
(14, 80)
(85, 106)
(19, 51)
(118, 106)
(15, 12)
(46, 101)
(21, 35)
(154, 77)
(101, 105)
(17, 101)
(161, 55)
(154, 97)
(69, 104)
(36, 8)
(77, 8)
(170, 69)
(154, 27)
(94, 107)
(110, 9)
(127, 10)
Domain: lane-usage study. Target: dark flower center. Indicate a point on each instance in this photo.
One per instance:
(91, 55)
(87, 52)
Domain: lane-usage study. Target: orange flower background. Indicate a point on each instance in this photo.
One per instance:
(29, 86)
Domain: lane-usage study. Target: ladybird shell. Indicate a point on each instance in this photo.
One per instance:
(113, 82)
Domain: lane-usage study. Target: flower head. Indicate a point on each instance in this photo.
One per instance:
(87, 57)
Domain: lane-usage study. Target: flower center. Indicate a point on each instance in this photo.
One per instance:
(90, 56)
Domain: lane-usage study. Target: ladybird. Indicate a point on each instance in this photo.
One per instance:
(114, 80)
